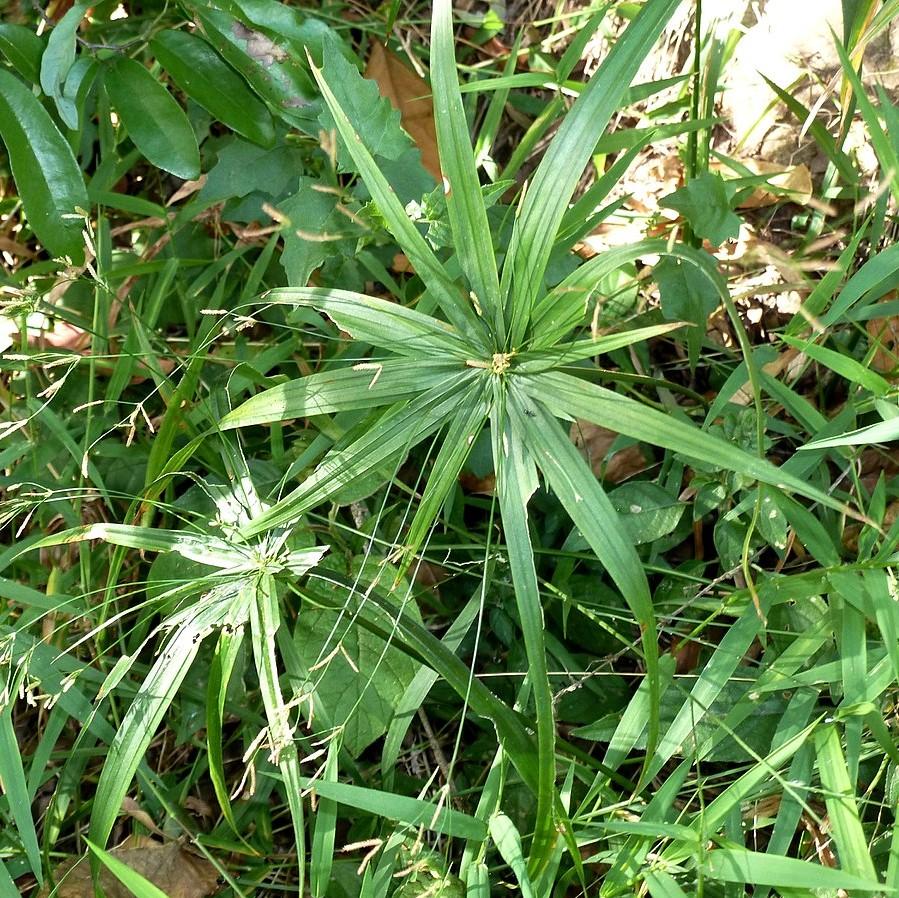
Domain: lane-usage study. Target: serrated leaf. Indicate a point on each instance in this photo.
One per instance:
(411, 96)
(47, 176)
(686, 295)
(374, 118)
(705, 204)
(200, 72)
(153, 119)
(362, 678)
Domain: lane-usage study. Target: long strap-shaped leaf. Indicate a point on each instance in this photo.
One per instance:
(425, 263)
(454, 450)
(566, 304)
(388, 325)
(399, 430)
(546, 200)
(265, 621)
(367, 385)
(464, 200)
(577, 488)
(516, 481)
(139, 726)
(566, 395)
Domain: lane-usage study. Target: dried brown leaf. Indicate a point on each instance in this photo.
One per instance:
(168, 866)
(595, 441)
(412, 96)
(884, 333)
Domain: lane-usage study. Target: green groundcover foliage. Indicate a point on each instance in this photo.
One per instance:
(314, 568)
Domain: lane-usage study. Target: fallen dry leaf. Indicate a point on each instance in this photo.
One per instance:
(168, 866)
(884, 333)
(412, 96)
(595, 441)
(793, 182)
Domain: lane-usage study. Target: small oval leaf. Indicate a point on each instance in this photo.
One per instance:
(153, 119)
(49, 181)
(58, 58)
(202, 74)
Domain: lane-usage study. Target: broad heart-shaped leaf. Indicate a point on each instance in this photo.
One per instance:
(464, 200)
(47, 176)
(686, 295)
(358, 677)
(705, 203)
(365, 385)
(376, 612)
(153, 119)
(546, 200)
(568, 396)
(200, 72)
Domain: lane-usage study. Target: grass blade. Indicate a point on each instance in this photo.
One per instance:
(546, 200)
(566, 395)
(366, 385)
(401, 428)
(516, 481)
(577, 488)
(464, 200)
(425, 263)
(852, 845)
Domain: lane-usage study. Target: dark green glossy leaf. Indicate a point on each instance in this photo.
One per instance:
(23, 48)
(200, 72)
(153, 119)
(47, 176)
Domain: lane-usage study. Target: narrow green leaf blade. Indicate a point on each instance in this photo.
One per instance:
(464, 200)
(12, 776)
(759, 869)
(566, 395)
(402, 427)
(365, 385)
(546, 200)
(139, 726)
(385, 324)
(516, 483)
(426, 265)
(839, 797)
(577, 488)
